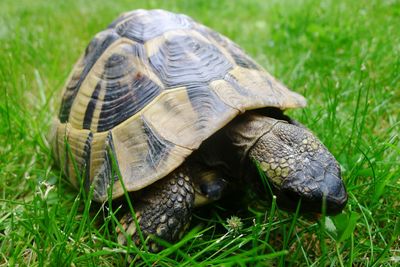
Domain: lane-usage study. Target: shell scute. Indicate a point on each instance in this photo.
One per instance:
(142, 25)
(96, 48)
(186, 60)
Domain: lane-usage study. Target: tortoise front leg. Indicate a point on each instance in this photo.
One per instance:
(163, 210)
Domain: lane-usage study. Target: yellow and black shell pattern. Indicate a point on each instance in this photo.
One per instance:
(147, 92)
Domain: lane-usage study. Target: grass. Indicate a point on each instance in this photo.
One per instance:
(344, 56)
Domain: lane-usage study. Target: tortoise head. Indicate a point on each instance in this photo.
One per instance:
(300, 168)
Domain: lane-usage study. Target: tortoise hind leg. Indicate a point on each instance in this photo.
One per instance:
(163, 210)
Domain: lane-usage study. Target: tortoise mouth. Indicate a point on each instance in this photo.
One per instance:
(289, 200)
(328, 196)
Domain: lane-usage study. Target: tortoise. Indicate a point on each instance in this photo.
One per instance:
(175, 113)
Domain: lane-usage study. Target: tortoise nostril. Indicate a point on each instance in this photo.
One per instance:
(337, 195)
(334, 185)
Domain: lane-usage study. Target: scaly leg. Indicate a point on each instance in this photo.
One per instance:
(163, 210)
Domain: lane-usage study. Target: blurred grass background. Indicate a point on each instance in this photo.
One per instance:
(344, 56)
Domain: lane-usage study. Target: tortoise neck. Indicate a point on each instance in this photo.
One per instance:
(228, 149)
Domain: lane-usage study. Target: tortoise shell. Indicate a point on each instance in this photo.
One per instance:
(146, 93)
